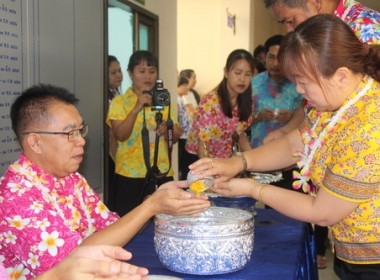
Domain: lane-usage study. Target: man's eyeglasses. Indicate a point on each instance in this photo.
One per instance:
(72, 135)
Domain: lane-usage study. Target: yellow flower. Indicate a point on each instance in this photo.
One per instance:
(204, 136)
(215, 131)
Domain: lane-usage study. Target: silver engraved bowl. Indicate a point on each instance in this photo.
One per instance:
(217, 241)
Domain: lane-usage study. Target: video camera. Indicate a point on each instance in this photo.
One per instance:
(160, 95)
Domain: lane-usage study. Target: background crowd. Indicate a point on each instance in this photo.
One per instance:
(308, 99)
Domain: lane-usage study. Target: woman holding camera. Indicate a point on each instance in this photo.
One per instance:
(128, 115)
(226, 111)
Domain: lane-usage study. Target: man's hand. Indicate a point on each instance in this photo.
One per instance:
(96, 262)
(170, 198)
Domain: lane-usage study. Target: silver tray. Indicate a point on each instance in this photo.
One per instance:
(266, 178)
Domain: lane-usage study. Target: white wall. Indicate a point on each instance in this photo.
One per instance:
(198, 44)
(167, 13)
(373, 4)
(63, 45)
(205, 40)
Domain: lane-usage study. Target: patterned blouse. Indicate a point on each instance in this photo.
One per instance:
(183, 117)
(214, 128)
(130, 155)
(362, 20)
(347, 166)
(43, 218)
(267, 94)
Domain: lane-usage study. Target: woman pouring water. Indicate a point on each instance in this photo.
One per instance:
(337, 146)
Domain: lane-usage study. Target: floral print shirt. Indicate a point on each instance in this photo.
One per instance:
(129, 158)
(3, 273)
(267, 94)
(347, 165)
(43, 218)
(214, 128)
(362, 20)
(183, 117)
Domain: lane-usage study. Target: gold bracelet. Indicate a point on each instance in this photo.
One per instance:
(261, 192)
(241, 155)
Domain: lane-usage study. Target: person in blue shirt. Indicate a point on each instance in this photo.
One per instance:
(275, 97)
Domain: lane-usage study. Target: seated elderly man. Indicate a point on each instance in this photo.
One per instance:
(46, 207)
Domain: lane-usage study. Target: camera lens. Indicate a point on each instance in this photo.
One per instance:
(163, 98)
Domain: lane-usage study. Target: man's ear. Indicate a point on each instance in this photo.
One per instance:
(315, 4)
(34, 142)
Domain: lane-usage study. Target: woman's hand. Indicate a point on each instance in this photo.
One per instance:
(236, 187)
(171, 198)
(144, 99)
(221, 168)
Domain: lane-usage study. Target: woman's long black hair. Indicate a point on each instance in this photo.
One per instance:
(244, 100)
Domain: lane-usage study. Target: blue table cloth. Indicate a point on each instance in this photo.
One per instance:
(283, 249)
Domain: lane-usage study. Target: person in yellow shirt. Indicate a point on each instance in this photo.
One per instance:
(127, 115)
(336, 147)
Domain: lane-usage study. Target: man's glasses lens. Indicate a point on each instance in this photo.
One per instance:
(74, 134)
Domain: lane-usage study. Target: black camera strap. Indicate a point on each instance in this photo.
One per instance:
(145, 143)
(169, 131)
(153, 171)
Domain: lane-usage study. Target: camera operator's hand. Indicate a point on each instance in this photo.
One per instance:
(144, 99)
(161, 131)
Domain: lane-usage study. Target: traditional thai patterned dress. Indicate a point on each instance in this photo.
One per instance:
(346, 164)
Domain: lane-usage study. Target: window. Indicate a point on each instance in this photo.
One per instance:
(130, 28)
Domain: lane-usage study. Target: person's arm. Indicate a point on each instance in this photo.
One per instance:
(292, 124)
(95, 262)
(274, 155)
(122, 129)
(323, 209)
(202, 149)
(177, 132)
(170, 198)
(196, 140)
(112, 144)
(190, 110)
(244, 142)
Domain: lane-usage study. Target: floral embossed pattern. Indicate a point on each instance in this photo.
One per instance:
(219, 240)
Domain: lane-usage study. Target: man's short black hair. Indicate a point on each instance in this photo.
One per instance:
(273, 41)
(33, 104)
